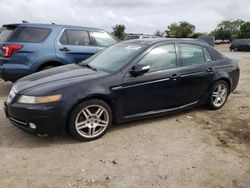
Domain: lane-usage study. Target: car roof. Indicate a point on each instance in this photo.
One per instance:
(153, 41)
(50, 26)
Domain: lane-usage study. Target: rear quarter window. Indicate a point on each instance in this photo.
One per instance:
(30, 34)
(5, 34)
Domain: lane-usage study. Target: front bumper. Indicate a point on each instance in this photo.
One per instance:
(46, 117)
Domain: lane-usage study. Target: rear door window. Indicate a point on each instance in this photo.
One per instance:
(191, 54)
(75, 37)
(30, 34)
(103, 39)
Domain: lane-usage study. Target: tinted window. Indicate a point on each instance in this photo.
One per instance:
(129, 37)
(236, 41)
(160, 58)
(114, 57)
(29, 34)
(5, 34)
(75, 37)
(103, 39)
(243, 42)
(207, 55)
(191, 54)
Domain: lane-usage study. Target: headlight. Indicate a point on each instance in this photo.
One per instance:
(11, 95)
(38, 100)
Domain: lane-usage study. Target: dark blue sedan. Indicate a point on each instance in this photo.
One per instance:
(127, 81)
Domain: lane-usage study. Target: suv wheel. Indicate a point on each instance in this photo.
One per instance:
(90, 120)
(218, 95)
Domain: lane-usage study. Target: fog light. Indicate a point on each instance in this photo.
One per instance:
(32, 125)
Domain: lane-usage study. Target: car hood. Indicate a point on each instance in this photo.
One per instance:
(57, 76)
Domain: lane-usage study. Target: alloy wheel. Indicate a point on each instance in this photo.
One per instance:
(219, 95)
(92, 121)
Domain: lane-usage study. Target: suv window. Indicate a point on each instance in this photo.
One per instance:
(75, 37)
(5, 34)
(243, 42)
(103, 39)
(192, 54)
(29, 34)
(162, 57)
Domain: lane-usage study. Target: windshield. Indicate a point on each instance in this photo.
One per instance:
(5, 34)
(114, 57)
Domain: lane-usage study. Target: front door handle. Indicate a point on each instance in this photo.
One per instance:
(64, 49)
(210, 69)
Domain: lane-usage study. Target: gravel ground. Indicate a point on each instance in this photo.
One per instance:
(197, 148)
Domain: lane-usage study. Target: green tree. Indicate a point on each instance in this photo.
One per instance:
(180, 30)
(197, 35)
(159, 33)
(245, 30)
(119, 31)
(227, 29)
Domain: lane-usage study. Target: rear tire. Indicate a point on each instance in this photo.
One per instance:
(218, 95)
(90, 120)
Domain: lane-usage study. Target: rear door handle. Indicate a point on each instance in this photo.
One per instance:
(174, 76)
(64, 49)
(210, 69)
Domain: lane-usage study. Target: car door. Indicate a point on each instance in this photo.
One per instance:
(74, 45)
(102, 39)
(154, 90)
(196, 70)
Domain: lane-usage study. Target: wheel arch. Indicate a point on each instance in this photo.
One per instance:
(48, 63)
(227, 80)
(95, 96)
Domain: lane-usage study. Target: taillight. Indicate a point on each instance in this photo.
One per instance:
(9, 49)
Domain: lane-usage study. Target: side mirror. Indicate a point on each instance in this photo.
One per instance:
(139, 70)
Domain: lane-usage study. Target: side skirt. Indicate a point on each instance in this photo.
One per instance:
(149, 113)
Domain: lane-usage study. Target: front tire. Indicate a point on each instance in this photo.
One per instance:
(90, 120)
(218, 95)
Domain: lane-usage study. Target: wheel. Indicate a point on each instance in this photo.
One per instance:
(90, 120)
(218, 95)
(46, 68)
(235, 49)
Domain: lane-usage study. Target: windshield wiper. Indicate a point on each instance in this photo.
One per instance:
(88, 66)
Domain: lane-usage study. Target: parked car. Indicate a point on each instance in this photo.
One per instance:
(130, 80)
(218, 41)
(240, 45)
(139, 36)
(28, 48)
(226, 41)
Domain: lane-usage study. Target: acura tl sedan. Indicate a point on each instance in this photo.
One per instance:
(128, 81)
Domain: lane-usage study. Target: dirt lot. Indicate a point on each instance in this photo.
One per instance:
(198, 148)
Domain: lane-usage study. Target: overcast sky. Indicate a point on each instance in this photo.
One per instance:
(143, 16)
